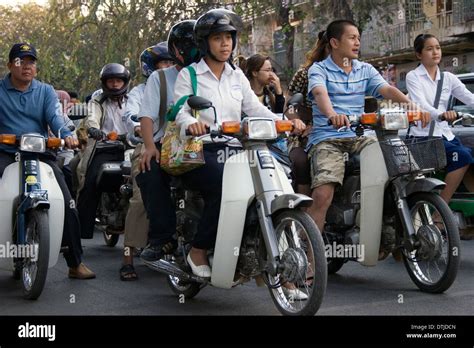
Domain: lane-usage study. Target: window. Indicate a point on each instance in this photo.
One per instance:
(414, 9)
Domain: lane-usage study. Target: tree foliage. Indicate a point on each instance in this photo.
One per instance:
(75, 38)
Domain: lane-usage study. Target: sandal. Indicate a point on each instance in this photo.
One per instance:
(127, 272)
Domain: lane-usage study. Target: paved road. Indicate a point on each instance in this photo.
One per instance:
(355, 290)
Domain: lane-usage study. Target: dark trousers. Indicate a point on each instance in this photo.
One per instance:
(89, 196)
(154, 186)
(71, 232)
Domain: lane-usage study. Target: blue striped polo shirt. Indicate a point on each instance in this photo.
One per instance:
(346, 91)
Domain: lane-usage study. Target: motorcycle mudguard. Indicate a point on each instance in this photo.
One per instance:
(237, 194)
(373, 181)
(424, 185)
(10, 189)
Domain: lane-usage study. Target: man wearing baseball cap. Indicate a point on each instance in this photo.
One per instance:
(30, 106)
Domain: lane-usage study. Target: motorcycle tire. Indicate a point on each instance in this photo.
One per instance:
(334, 265)
(33, 273)
(111, 239)
(441, 231)
(308, 246)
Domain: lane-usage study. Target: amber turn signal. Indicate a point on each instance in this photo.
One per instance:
(284, 126)
(414, 116)
(9, 139)
(53, 143)
(231, 127)
(112, 136)
(370, 118)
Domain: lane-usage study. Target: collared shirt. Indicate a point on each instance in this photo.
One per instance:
(231, 95)
(30, 111)
(134, 100)
(346, 91)
(422, 90)
(114, 116)
(150, 106)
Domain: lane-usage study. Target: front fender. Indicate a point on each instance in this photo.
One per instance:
(423, 185)
(290, 201)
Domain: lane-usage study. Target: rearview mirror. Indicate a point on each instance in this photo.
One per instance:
(296, 99)
(199, 103)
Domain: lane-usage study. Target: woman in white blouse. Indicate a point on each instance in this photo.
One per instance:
(231, 94)
(422, 86)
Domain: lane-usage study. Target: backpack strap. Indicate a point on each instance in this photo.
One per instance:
(439, 88)
(171, 116)
(163, 97)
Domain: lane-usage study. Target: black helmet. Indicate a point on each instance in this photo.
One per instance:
(152, 55)
(181, 36)
(114, 70)
(216, 21)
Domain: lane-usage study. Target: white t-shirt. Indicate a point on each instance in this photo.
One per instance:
(422, 90)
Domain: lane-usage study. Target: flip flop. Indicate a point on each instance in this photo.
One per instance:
(127, 273)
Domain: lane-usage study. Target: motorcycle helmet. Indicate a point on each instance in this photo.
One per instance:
(216, 21)
(181, 36)
(114, 70)
(152, 55)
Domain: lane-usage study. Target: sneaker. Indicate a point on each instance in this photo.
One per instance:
(154, 252)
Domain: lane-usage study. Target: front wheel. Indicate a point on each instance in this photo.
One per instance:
(299, 287)
(35, 266)
(434, 263)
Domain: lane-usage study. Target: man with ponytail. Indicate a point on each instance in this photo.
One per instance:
(337, 87)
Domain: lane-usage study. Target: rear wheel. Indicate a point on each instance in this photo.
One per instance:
(434, 263)
(110, 239)
(303, 268)
(35, 267)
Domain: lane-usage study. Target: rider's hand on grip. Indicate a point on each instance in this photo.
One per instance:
(95, 133)
(197, 129)
(71, 142)
(298, 126)
(449, 116)
(339, 121)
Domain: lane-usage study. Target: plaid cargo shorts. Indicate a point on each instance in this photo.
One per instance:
(328, 158)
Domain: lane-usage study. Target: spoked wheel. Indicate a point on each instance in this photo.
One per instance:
(434, 263)
(35, 268)
(299, 287)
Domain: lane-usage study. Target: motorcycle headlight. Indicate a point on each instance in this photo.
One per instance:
(32, 143)
(261, 129)
(394, 119)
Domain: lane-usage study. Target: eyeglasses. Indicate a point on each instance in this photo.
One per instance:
(22, 62)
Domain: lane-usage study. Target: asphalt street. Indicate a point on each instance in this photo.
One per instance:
(355, 290)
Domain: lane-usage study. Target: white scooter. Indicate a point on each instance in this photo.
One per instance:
(30, 197)
(261, 234)
(387, 205)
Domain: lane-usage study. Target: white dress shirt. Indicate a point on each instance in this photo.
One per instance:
(231, 95)
(150, 106)
(135, 97)
(422, 90)
(115, 116)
